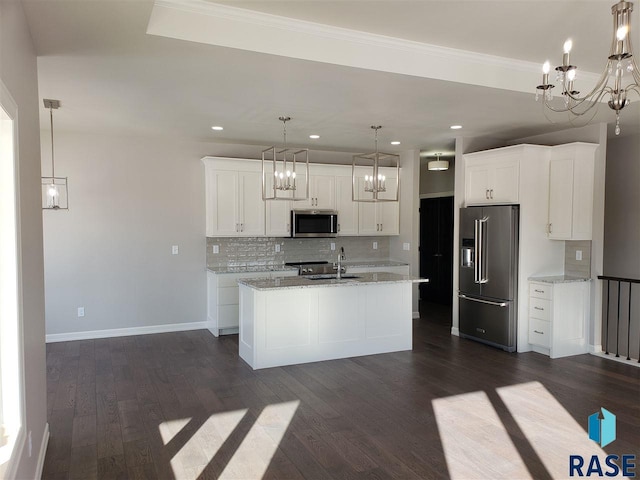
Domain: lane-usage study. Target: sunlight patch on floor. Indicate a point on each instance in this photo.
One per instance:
(475, 442)
(202, 446)
(550, 429)
(170, 428)
(253, 456)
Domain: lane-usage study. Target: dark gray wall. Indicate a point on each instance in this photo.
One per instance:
(622, 208)
(437, 182)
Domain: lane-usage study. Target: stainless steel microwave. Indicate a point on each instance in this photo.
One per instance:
(314, 223)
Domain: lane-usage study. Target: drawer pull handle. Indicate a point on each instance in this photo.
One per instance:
(481, 330)
(539, 291)
(538, 308)
(536, 331)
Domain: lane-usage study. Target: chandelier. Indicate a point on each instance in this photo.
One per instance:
(54, 189)
(280, 180)
(375, 181)
(620, 75)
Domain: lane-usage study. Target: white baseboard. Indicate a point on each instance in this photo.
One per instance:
(125, 332)
(633, 362)
(416, 315)
(43, 451)
(455, 331)
(595, 348)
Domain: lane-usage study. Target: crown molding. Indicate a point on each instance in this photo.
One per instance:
(206, 22)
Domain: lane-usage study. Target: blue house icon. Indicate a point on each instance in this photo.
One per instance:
(602, 427)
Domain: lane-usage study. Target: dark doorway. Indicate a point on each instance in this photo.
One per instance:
(436, 249)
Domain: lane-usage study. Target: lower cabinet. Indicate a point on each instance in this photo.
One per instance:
(222, 298)
(558, 317)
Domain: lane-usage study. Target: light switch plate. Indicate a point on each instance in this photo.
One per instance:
(375, 245)
(333, 246)
(578, 254)
(216, 249)
(80, 311)
(406, 246)
(174, 250)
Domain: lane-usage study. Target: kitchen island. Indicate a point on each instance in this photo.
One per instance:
(285, 321)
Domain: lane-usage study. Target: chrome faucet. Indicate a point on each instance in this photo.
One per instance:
(339, 263)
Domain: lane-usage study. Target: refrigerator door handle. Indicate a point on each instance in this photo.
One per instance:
(478, 255)
(482, 264)
(497, 304)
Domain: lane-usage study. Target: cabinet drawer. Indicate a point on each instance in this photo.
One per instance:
(228, 316)
(540, 290)
(539, 332)
(539, 308)
(228, 296)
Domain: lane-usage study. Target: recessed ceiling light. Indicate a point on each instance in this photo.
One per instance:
(455, 127)
(395, 142)
(314, 136)
(217, 128)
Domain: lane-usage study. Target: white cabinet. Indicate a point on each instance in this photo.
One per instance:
(571, 181)
(346, 207)
(492, 177)
(234, 203)
(278, 215)
(379, 218)
(222, 298)
(322, 192)
(558, 314)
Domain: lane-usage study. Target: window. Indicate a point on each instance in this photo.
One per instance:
(11, 387)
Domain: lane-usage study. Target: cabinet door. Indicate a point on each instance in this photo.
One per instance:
(251, 204)
(324, 191)
(389, 212)
(347, 208)
(560, 198)
(278, 215)
(367, 213)
(223, 206)
(477, 184)
(504, 184)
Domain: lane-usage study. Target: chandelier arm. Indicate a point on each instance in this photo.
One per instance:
(602, 81)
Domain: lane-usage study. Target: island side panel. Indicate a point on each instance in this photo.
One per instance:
(302, 325)
(248, 303)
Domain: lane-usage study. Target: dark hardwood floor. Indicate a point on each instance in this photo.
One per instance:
(126, 407)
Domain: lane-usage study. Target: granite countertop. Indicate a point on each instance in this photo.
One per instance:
(306, 282)
(559, 279)
(252, 269)
(374, 263)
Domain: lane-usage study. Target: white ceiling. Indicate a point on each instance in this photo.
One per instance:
(111, 76)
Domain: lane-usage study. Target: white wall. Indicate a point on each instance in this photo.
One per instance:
(130, 200)
(409, 218)
(19, 74)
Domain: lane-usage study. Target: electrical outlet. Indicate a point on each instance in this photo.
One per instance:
(406, 246)
(216, 249)
(81, 311)
(578, 254)
(375, 245)
(277, 248)
(175, 250)
(333, 246)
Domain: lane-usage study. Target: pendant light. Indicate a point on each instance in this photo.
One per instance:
(437, 164)
(370, 172)
(282, 171)
(54, 189)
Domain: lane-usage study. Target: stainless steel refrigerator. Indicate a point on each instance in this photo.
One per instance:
(489, 274)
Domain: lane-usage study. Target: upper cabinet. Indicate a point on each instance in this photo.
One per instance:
(571, 180)
(491, 177)
(234, 202)
(235, 207)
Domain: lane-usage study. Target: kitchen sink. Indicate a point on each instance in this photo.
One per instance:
(332, 276)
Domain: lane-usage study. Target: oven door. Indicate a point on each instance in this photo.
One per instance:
(314, 223)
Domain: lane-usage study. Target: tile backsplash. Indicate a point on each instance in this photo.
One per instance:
(241, 251)
(577, 268)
